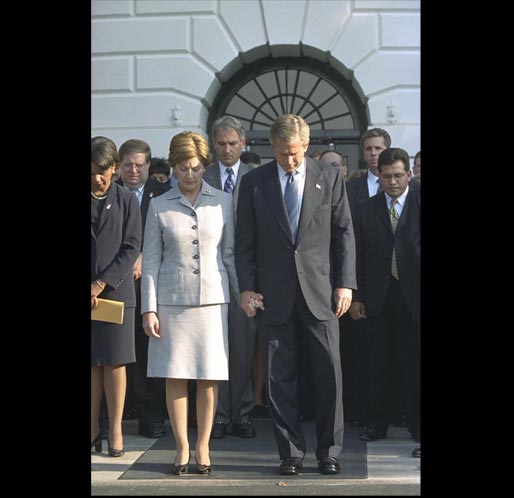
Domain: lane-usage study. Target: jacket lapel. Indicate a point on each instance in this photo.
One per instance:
(110, 202)
(275, 199)
(382, 211)
(214, 176)
(403, 216)
(312, 194)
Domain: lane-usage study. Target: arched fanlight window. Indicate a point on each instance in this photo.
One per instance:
(272, 86)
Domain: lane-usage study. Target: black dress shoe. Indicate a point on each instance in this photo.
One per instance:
(219, 430)
(329, 465)
(244, 429)
(372, 434)
(152, 429)
(290, 467)
(416, 453)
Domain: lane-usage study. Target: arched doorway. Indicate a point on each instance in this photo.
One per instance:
(271, 86)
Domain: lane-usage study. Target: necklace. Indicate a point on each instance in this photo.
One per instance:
(99, 197)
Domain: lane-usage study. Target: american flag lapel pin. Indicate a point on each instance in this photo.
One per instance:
(318, 186)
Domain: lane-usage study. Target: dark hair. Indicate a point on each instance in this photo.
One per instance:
(104, 153)
(250, 157)
(159, 165)
(418, 154)
(391, 155)
(135, 146)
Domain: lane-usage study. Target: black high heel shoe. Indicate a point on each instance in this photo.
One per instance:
(203, 469)
(97, 443)
(181, 468)
(113, 452)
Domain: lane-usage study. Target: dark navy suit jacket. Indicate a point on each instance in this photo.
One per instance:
(116, 245)
(374, 241)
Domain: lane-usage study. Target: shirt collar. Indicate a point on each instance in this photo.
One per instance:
(223, 169)
(301, 169)
(400, 201)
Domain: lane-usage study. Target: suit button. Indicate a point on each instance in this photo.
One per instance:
(193, 213)
(195, 242)
(196, 272)
(196, 256)
(194, 227)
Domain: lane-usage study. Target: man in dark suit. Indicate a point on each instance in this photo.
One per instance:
(146, 395)
(295, 254)
(354, 354)
(387, 231)
(235, 396)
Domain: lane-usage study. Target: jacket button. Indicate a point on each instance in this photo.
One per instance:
(196, 272)
(193, 213)
(194, 227)
(195, 242)
(196, 256)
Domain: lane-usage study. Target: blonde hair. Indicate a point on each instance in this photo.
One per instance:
(186, 145)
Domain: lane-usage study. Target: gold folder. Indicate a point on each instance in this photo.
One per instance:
(108, 311)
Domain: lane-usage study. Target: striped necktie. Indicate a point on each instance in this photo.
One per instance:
(229, 184)
(379, 187)
(393, 214)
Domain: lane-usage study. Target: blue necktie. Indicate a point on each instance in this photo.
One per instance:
(137, 192)
(291, 202)
(229, 184)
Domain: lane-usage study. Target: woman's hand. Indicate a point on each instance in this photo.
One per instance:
(151, 324)
(96, 288)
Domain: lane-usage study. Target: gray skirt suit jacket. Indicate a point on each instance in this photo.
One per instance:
(188, 263)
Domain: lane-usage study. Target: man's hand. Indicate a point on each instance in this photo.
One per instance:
(251, 302)
(343, 300)
(138, 267)
(358, 310)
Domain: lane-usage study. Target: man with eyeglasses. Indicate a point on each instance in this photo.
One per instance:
(145, 395)
(387, 239)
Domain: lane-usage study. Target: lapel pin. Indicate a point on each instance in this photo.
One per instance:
(318, 186)
(207, 190)
(151, 195)
(108, 206)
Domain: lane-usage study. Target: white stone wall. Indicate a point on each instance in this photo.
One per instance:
(158, 64)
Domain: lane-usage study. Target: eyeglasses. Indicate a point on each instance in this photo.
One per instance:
(138, 166)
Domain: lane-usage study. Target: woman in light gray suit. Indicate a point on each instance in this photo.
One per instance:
(188, 261)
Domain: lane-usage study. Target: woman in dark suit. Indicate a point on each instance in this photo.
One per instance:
(115, 244)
